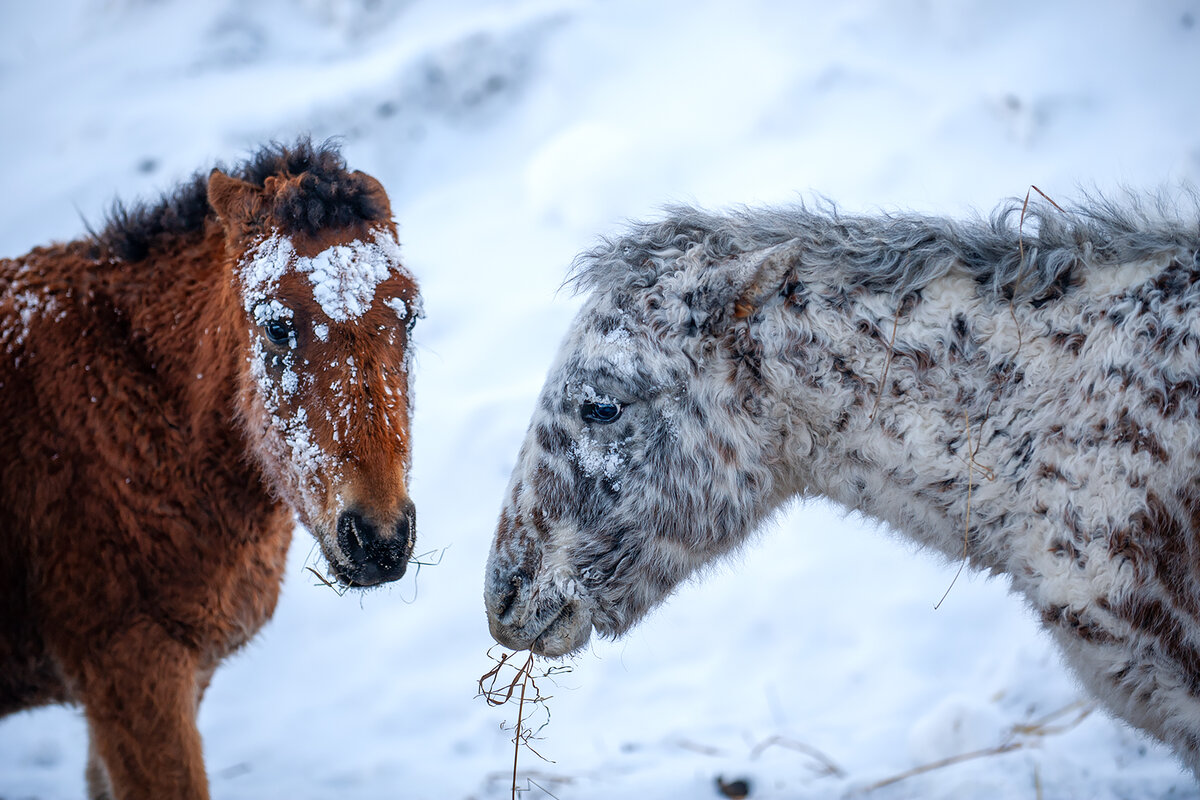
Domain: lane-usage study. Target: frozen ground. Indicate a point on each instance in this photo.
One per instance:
(509, 135)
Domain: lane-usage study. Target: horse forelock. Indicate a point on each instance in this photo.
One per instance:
(314, 191)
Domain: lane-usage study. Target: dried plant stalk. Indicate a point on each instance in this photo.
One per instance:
(497, 690)
(1020, 736)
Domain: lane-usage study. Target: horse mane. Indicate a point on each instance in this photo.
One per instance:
(1026, 251)
(327, 195)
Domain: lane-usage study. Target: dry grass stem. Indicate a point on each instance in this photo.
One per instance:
(696, 747)
(887, 364)
(419, 561)
(338, 590)
(1021, 262)
(532, 780)
(943, 763)
(1019, 737)
(497, 689)
(1021, 226)
(987, 473)
(827, 766)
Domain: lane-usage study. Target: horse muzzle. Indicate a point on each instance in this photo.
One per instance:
(373, 553)
(544, 621)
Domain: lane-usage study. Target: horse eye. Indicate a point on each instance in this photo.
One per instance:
(603, 413)
(279, 331)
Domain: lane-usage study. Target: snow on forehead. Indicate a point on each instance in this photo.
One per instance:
(344, 277)
(614, 350)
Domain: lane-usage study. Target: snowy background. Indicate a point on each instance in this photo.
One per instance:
(509, 135)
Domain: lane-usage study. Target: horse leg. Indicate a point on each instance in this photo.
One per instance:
(98, 785)
(140, 696)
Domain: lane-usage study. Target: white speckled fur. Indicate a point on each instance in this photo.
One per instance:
(1048, 370)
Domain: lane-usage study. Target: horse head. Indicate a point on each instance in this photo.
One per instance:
(324, 390)
(644, 458)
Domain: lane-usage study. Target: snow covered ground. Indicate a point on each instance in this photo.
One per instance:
(509, 135)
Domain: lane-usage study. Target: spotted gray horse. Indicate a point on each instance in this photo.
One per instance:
(1020, 392)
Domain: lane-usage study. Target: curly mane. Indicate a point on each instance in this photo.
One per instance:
(1026, 252)
(327, 195)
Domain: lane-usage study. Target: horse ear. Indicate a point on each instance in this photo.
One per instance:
(375, 188)
(232, 199)
(718, 293)
(763, 274)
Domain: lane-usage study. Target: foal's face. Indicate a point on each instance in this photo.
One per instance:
(638, 467)
(325, 389)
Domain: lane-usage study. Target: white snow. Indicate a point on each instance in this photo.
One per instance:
(509, 134)
(270, 310)
(397, 305)
(597, 458)
(344, 277)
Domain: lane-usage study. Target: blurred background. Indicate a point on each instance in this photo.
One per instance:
(509, 135)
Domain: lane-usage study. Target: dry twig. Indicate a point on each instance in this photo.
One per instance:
(988, 473)
(827, 765)
(497, 690)
(338, 590)
(418, 560)
(887, 364)
(1019, 737)
(1012, 312)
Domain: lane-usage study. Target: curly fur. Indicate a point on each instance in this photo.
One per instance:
(157, 444)
(1048, 369)
(325, 196)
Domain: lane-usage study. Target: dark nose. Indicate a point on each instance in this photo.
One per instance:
(503, 590)
(376, 556)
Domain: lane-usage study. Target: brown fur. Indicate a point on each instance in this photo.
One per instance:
(142, 538)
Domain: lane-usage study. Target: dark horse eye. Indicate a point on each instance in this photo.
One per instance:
(279, 331)
(603, 413)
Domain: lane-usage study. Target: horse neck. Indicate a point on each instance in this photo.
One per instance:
(182, 307)
(905, 414)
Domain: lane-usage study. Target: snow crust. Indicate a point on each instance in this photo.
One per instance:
(343, 277)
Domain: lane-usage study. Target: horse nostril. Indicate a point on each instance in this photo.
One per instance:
(507, 592)
(375, 555)
(406, 526)
(354, 535)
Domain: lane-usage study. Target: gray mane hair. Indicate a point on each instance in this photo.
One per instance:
(1019, 392)
(1022, 251)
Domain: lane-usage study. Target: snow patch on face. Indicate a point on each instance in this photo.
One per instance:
(616, 346)
(270, 311)
(289, 382)
(321, 331)
(308, 457)
(344, 277)
(586, 393)
(405, 312)
(261, 269)
(398, 305)
(598, 458)
(290, 430)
